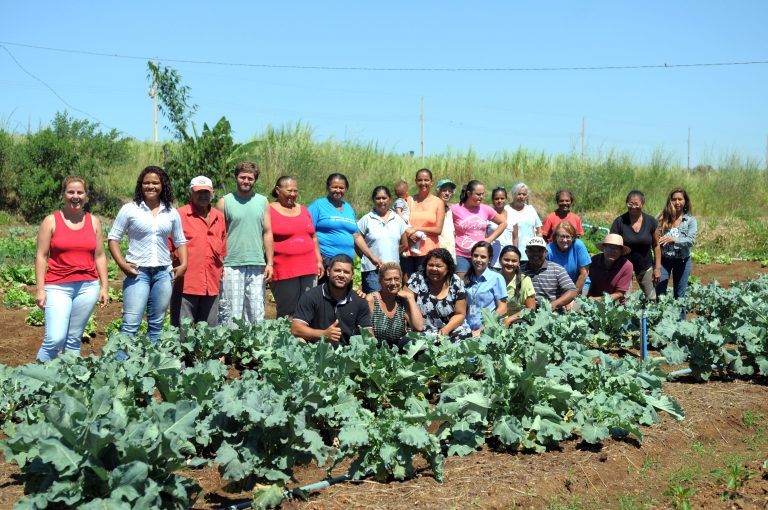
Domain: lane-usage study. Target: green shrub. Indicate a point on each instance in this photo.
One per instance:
(68, 147)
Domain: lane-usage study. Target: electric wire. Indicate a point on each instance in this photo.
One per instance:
(663, 65)
(66, 103)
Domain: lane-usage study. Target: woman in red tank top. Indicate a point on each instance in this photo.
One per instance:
(70, 269)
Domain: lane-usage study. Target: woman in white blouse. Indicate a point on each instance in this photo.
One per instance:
(148, 221)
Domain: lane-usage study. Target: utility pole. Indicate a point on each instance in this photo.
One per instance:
(583, 144)
(153, 95)
(689, 149)
(422, 130)
(766, 153)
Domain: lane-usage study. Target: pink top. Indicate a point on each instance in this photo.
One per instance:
(294, 247)
(71, 255)
(470, 225)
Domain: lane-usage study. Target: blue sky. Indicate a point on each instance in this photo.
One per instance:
(638, 111)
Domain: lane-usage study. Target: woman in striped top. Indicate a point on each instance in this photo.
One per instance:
(393, 309)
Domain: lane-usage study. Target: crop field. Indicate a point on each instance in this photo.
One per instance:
(558, 412)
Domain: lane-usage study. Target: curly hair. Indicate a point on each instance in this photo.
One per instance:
(445, 256)
(166, 191)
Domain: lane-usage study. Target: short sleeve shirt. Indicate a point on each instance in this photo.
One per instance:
(485, 290)
(206, 248)
(527, 222)
(505, 239)
(318, 309)
(437, 312)
(576, 257)
(526, 291)
(616, 279)
(550, 281)
(470, 225)
(335, 229)
(639, 242)
(382, 237)
(553, 220)
(402, 204)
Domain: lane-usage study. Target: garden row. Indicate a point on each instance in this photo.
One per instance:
(95, 432)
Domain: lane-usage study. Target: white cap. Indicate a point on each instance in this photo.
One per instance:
(201, 182)
(536, 242)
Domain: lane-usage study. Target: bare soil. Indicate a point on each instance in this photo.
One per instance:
(726, 425)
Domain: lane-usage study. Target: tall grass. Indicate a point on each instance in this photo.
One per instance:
(730, 200)
(122, 178)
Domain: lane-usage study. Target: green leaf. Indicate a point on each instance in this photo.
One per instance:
(414, 435)
(268, 496)
(354, 435)
(594, 433)
(509, 430)
(66, 461)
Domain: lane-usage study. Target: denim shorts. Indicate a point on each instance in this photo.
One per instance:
(463, 264)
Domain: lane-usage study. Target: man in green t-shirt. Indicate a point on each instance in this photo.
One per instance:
(248, 263)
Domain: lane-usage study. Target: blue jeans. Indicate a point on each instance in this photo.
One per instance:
(150, 290)
(679, 270)
(370, 281)
(68, 306)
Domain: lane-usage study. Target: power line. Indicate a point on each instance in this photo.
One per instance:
(51, 88)
(393, 69)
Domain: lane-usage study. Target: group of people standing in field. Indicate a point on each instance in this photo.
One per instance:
(428, 264)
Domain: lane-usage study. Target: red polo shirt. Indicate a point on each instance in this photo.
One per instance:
(206, 247)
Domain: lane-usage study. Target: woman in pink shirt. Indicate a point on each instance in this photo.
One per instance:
(470, 222)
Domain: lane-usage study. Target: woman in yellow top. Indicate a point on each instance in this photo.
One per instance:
(520, 293)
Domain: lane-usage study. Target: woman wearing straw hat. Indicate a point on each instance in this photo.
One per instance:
(610, 271)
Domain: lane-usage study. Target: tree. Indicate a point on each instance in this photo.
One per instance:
(210, 153)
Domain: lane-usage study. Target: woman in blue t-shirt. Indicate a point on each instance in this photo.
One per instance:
(336, 224)
(571, 253)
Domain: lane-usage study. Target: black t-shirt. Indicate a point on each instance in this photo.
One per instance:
(639, 242)
(319, 310)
